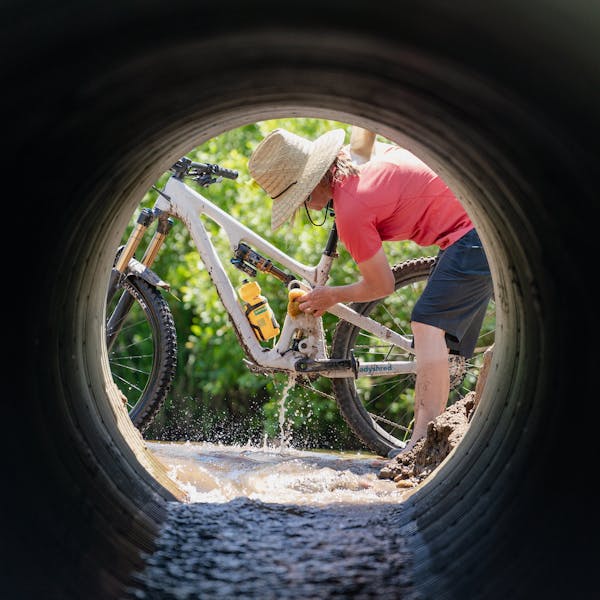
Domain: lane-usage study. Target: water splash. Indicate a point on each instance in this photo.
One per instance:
(217, 473)
(285, 426)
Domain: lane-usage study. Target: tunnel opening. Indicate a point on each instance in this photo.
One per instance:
(191, 411)
(485, 526)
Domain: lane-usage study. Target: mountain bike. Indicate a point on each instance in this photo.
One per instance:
(367, 355)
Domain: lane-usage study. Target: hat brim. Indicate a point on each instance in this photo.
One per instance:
(323, 152)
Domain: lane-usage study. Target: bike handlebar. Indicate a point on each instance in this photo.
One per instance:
(214, 170)
(203, 173)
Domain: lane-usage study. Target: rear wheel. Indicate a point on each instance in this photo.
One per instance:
(143, 353)
(380, 409)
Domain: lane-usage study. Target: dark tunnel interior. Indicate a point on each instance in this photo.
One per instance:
(503, 99)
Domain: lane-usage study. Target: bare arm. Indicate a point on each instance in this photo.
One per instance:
(377, 281)
(361, 144)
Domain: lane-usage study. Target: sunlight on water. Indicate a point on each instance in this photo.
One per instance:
(214, 473)
(217, 473)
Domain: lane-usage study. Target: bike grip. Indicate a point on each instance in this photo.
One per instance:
(227, 173)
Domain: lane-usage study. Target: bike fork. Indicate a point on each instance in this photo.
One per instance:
(126, 301)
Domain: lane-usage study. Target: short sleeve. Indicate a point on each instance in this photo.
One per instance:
(360, 237)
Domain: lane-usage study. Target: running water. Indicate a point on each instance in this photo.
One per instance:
(216, 473)
(285, 432)
(275, 522)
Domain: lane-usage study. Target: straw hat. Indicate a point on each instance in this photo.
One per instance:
(289, 167)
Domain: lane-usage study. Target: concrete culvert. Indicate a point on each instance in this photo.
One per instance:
(503, 99)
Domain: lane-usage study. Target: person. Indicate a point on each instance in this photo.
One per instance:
(392, 196)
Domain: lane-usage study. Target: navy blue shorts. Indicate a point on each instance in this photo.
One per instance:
(457, 294)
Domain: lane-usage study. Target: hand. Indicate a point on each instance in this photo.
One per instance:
(317, 301)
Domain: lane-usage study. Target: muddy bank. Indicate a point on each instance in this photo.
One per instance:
(412, 467)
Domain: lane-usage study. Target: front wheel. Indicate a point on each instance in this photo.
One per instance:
(380, 409)
(142, 347)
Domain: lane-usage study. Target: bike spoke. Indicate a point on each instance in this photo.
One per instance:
(130, 368)
(381, 420)
(128, 383)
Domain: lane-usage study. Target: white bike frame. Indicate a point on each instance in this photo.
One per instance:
(180, 201)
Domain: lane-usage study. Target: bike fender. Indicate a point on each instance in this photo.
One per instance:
(135, 267)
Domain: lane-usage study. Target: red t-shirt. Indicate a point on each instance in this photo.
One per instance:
(396, 197)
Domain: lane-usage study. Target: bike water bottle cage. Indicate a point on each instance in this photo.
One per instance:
(255, 328)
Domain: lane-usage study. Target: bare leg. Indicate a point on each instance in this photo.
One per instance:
(433, 379)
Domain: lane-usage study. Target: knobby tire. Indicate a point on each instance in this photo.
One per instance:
(143, 358)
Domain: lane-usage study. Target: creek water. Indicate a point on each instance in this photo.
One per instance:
(275, 522)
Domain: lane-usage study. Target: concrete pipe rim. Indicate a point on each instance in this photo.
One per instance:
(458, 118)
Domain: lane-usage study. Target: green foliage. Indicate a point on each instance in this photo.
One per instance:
(214, 396)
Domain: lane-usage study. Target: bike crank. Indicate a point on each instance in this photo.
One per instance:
(331, 367)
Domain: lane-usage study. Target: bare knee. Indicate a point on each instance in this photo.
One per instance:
(430, 342)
